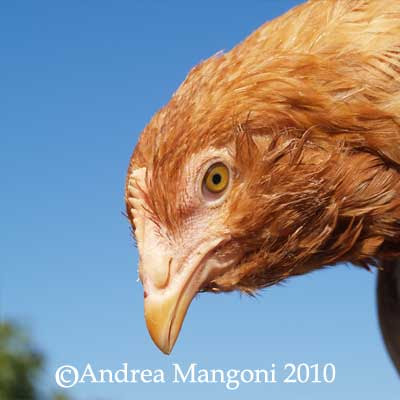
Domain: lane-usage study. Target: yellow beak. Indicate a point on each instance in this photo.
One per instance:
(164, 317)
(172, 273)
(169, 289)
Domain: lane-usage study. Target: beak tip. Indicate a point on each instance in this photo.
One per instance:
(167, 352)
(159, 338)
(164, 349)
(164, 346)
(163, 320)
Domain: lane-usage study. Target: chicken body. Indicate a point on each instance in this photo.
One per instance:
(299, 125)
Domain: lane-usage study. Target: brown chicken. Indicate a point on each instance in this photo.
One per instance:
(277, 158)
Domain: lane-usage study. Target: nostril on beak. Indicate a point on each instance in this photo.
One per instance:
(145, 294)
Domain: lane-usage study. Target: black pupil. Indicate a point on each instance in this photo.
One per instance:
(216, 179)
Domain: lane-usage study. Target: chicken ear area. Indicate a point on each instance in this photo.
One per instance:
(388, 292)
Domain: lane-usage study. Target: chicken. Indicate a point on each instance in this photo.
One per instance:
(275, 159)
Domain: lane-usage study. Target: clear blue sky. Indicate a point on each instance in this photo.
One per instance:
(80, 79)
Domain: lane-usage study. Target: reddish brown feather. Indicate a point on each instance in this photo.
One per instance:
(309, 103)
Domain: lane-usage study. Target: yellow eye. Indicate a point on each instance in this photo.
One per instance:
(216, 178)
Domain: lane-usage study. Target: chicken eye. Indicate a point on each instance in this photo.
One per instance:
(216, 179)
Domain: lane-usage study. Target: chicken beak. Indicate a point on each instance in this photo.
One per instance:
(170, 286)
(172, 272)
(164, 316)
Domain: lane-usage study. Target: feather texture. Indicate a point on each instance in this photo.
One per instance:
(307, 108)
(315, 93)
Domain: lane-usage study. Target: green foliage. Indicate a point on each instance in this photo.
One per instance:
(20, 365)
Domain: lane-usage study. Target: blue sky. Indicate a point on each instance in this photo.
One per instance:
(80, 79)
